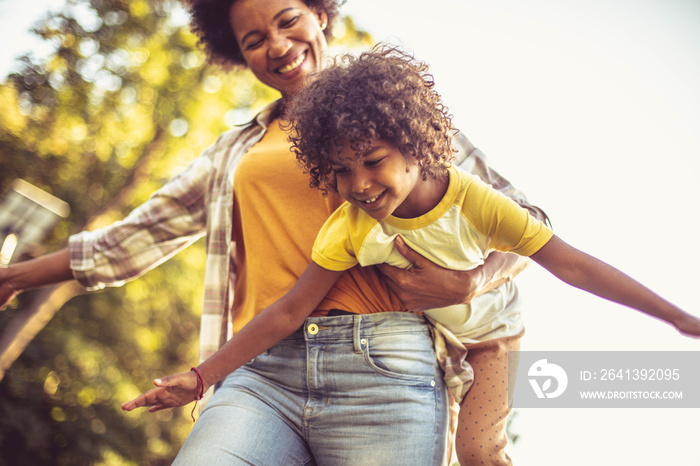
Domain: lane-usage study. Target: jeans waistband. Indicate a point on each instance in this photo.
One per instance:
(355, 327)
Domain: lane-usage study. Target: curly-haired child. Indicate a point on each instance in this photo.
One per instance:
(373, 129)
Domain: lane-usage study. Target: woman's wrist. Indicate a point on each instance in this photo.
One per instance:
(8, 278)
(498, 269)
(45, 270)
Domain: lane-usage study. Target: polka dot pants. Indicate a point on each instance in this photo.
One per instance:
(481, 428)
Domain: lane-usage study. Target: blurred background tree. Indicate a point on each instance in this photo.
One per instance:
(126, 101)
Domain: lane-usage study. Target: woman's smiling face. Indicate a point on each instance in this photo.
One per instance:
(282, 41)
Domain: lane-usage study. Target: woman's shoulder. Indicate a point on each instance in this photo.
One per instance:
(241, 135)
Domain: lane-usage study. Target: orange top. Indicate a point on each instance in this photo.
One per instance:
(276, 218)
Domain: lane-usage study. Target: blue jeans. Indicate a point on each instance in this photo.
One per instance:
(344, 390)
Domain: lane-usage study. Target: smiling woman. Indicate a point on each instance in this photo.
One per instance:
(212, 24)
(282, 41)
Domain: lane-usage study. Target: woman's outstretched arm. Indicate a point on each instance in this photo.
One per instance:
(34, 273)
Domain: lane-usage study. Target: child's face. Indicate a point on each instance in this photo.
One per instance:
(382, 182)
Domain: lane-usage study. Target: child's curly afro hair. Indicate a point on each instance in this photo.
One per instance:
(211, 22)
(382, 94)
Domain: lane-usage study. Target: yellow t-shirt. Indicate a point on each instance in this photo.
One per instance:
(276, 218)
(471, 220)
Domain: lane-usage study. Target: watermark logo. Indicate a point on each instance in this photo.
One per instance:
(604, 379)
(547, 372)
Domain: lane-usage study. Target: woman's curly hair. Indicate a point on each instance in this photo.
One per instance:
(382, 94)
(211, 22)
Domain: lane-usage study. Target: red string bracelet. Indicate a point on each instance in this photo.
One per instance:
(200, 390)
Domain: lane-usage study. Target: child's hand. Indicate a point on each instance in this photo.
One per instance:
(688, 325)
(172, 391)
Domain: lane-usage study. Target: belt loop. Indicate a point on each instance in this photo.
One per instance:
(356, 331)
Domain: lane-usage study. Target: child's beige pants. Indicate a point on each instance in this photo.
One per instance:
(481, 431)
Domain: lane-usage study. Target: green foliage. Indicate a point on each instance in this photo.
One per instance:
(125, 102)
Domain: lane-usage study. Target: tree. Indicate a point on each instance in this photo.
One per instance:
(125, 102)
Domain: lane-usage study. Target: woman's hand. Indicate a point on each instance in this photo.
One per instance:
(170, 392)
(7, 290)
(426, 285)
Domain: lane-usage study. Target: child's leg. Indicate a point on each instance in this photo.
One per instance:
(481, 432)
(454, 416)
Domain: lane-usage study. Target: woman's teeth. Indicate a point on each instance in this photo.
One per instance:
(293, 65)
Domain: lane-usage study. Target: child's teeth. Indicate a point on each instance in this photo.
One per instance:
(369, 201)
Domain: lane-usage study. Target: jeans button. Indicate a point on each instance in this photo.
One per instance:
(312, 329)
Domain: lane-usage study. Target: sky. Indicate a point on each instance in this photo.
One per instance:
(16, 19)
(593, 110)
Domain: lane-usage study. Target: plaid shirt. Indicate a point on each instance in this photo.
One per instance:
(199, 202)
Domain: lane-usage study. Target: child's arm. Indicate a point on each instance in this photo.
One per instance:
(590, 274)
(276, 322)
